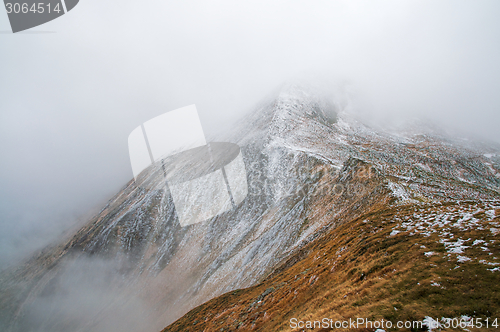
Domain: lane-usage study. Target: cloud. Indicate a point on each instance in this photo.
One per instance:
(88, 294)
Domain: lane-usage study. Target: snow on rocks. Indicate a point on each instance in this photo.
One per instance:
(448, 222)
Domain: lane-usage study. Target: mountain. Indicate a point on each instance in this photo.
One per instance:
(415, 263)
(334, 214)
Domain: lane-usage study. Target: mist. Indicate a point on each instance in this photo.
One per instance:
(77, 298)
(73, 89)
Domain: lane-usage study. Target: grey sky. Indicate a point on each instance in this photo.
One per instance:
(69, 99)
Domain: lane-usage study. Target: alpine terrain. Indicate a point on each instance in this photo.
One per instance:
(341, 221)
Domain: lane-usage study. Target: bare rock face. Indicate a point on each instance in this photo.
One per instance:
(310, 168)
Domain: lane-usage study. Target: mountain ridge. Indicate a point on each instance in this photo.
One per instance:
(309, 165)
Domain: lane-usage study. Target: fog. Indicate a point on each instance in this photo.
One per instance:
(73, 89)
(76, 298)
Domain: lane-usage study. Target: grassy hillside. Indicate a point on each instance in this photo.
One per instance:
(394, 263)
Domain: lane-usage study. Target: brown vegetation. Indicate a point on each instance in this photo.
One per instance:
(360, 270)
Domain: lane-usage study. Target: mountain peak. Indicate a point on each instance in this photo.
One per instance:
(311, 168)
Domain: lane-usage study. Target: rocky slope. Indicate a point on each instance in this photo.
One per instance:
(313, 171)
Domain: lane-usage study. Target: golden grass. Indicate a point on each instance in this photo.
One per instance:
(360, 270)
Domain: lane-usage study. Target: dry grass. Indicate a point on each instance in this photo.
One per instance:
(360, 270)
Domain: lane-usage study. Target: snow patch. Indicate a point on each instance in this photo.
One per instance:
(462, 259)
(394, 232)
